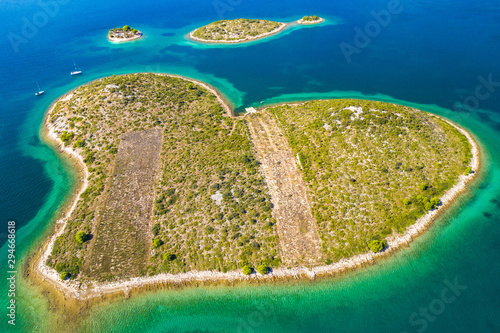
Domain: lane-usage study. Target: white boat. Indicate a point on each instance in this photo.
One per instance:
(77, 70)
(40, 91)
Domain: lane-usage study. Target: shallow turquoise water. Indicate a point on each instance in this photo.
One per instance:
(431, 56)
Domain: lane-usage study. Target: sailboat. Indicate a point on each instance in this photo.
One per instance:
(40, 91)
(77, 70)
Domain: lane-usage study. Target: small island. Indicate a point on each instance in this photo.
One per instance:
(236, 31)
(124, 34)
(311, 19)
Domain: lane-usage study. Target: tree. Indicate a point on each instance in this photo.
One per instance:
(64, 275)
(263, 269)
(467, 171)
(247, 270)
(81, 237)
(376, 245)
(126, 28)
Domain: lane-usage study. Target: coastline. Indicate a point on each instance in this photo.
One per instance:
(81, 291)
(122, 40)
(321, 20)
(246, 39)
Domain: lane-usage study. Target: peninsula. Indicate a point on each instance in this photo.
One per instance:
(124, 34)
(176, 189)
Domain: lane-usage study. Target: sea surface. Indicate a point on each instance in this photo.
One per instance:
(440, 56)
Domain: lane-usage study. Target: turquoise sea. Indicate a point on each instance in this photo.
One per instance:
(441, 57)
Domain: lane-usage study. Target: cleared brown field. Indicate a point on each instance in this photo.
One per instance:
(296, 227)
(120, 246)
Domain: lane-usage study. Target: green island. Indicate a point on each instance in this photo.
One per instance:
(311, 19)
(235, 31)
(177, 184)
(124, 34)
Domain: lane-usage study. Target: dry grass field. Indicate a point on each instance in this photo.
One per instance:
(121, 243)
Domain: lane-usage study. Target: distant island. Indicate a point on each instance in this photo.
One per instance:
(175, 188)
(124, 34)
(312, 19)
(236, 31)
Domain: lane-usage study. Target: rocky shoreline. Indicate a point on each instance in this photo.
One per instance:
(301, 21)
(122, 40)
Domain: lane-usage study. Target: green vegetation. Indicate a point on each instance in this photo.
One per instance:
(211, 208)
(124, 33)
(81, 237)
(80, 143)
(66, 137)
(371, 168)
(247, 270)
(311, 18)
(263, 269)
(376, 245)
(467, 171)
(156, 243)
(169, 256)
(235, 30)
(64, 275)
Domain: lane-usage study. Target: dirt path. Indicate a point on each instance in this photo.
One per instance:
(297, 229)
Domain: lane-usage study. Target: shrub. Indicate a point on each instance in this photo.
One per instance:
(156, 229)
(247, 270)
(263, 269)
(81, 237)
(156, 243)
(377, 245)
(67, 136)
(80, 143)
(435, 201)
(169, 256)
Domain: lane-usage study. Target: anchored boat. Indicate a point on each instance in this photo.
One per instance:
(77, 70)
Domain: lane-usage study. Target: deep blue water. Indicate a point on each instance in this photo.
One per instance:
(432, 55)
